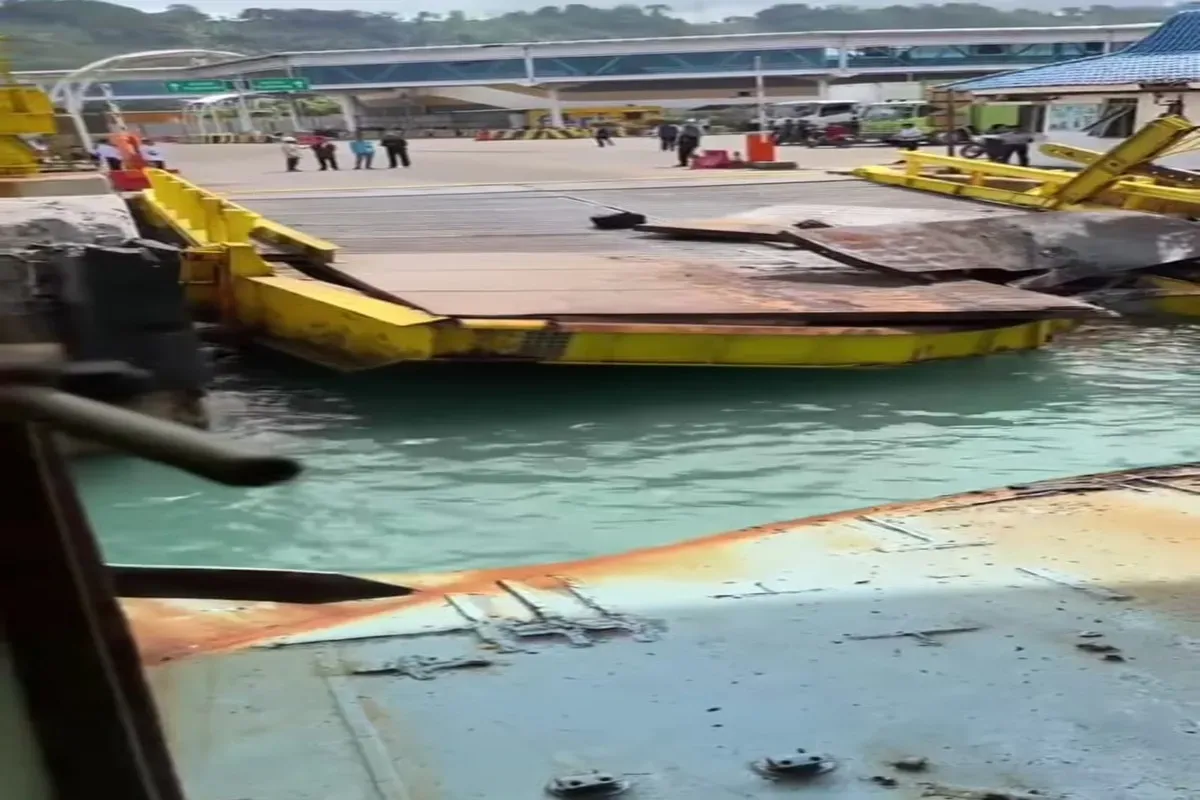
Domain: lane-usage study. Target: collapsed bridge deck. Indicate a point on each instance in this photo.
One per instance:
(535, 253)
(532, 261)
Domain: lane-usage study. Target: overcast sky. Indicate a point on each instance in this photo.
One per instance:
(696, 10)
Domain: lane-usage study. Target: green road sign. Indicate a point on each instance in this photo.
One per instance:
(279, 85)
(198, 87)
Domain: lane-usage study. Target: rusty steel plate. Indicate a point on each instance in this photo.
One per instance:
(588, 285)
(738, 230)
(1050, 249)
(770, 222)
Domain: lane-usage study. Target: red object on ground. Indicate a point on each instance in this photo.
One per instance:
(712, 159)
(760, 147)
(131, 180)
(483, 136)
(130, 147)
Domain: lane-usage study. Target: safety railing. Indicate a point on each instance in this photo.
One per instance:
(206, 218)
(977, 170)
(1030, 187)
(1026, 187)
(201, 216)
(1124, 177)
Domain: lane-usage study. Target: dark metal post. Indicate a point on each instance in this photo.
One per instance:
(72, 650)
(951, 122)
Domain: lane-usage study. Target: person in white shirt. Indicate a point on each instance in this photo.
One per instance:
(291, 153)
(153, 154)
(910, 136)
(109, 156)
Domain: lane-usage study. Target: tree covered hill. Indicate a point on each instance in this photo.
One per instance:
(48, 34)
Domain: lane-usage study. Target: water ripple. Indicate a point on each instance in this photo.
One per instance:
(446, 469)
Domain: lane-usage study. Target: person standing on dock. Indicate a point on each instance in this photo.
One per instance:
(1016, 143)
(396, 147)
(153, 154)
(291, 153)
(325, 150)
(364, 151)
(910, 137)
(668, 135)
(689, 141)
(604, 136)
(108, 154)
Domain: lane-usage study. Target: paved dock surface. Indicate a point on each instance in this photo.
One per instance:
(555, 218)
(253, 168)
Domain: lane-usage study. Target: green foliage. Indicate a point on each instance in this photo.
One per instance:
(48, 34)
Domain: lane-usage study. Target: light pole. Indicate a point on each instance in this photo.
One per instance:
(760, 92)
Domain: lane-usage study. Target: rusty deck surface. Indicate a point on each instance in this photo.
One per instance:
(536, 254)
(1028, 643)
(558, 285)
(770, 222)
(1060, 247)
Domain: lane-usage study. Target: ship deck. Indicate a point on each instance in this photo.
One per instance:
(1028, 643)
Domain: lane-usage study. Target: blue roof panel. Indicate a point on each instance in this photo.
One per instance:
(1170, 54)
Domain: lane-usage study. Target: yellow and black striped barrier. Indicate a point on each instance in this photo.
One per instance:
(540, 133)
(218, 138)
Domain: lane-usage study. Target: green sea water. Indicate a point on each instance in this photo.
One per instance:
(450, 468)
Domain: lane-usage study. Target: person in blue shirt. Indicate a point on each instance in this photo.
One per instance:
(364, 151)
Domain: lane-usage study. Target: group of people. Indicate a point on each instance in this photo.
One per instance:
(325, 149)
(1002, 142)
(107, 154)
(683, 140)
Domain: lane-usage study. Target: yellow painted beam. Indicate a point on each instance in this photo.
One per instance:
(203, 217)
(928, 183)
(916, 161)
(814, 348)
(337, 325)
(313, 248)
(1143, 146)
(344, 329)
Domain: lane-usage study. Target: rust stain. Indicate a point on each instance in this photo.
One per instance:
(566, 285)
(721, 329)
(168, 630)
(1107, 242)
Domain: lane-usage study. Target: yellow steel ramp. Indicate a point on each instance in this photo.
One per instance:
(407, 285)
(1123, 177)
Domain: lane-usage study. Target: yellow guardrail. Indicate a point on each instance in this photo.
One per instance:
(202, 217)
(205, 218)
(1117, 178)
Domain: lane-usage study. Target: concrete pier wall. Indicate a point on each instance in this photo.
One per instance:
(76, 283)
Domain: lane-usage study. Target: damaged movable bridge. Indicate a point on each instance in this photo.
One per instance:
(1108, 256)
(1128, 261)
(523, 275)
